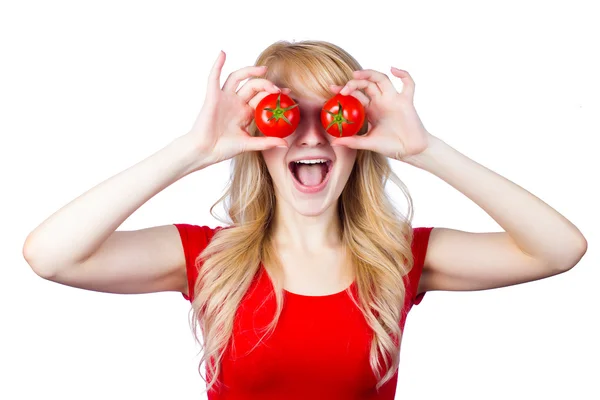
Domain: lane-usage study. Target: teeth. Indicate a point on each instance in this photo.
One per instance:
(311, 161)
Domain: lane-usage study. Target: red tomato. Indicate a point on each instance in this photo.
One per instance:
(277, 115)
(342, 115)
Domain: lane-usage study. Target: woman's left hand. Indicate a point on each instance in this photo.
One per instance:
(395, 129)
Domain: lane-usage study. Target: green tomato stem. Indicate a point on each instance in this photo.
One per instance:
(278, 112)
(338, 119)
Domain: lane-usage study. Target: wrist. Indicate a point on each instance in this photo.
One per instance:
(421, 159)
(188, 156)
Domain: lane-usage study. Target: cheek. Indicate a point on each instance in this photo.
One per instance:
(274, 159)
(273, 155)
(346, 155)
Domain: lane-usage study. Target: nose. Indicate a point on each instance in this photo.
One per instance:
(311, 134)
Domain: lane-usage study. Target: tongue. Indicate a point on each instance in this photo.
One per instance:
(311, 174)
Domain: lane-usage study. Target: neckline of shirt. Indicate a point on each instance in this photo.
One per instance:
(308, 296)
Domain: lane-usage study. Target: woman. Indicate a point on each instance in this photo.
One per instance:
(303, 295)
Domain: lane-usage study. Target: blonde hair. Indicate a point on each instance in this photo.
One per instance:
(377, 237)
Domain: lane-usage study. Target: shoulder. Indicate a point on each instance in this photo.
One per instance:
(419, 245)
(194, 239)
(420, 240)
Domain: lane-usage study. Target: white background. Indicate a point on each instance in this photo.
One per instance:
(88, 89)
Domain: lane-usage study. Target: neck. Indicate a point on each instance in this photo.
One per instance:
(309, 234)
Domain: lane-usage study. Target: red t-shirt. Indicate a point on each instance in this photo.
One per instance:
(319, 348)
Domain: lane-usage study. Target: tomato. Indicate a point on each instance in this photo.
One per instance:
(277, 115)
(342, 115)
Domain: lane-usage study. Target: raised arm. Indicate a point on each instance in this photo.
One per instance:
(79, 246)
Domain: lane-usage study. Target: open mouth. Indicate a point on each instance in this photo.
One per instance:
(311, 177)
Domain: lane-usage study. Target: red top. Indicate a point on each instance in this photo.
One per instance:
(319, 348)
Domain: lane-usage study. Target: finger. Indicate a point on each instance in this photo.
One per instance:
(365, 101)
(254, 86)
(233, 80)
(381, 80)
(215, 73)
(261, 95)
(358, 94)
(256, 99)
(408, 84)
(335, 89)
(370, 88)
(354, 142)
(259, 143)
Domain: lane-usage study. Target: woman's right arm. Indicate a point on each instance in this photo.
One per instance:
(79, 246)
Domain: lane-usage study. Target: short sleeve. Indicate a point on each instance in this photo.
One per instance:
(194, 239)
(419, 249)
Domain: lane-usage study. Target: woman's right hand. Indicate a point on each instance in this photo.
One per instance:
(220, 130)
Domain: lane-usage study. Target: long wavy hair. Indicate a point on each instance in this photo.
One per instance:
(376, 236)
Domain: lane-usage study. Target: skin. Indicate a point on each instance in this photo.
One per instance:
(308, 223)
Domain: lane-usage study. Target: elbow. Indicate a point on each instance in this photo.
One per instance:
(581, 250)
(33, 262)
(572, 257)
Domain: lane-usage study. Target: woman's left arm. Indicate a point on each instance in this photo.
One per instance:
(538, 242)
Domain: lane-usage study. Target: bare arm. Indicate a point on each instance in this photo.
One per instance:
(538, 241)
(88, 224)
(79, 246)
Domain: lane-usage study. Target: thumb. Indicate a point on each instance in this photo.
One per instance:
(353, 142)
(258, 143)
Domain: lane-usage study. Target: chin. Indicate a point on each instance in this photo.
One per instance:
(311, 207)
